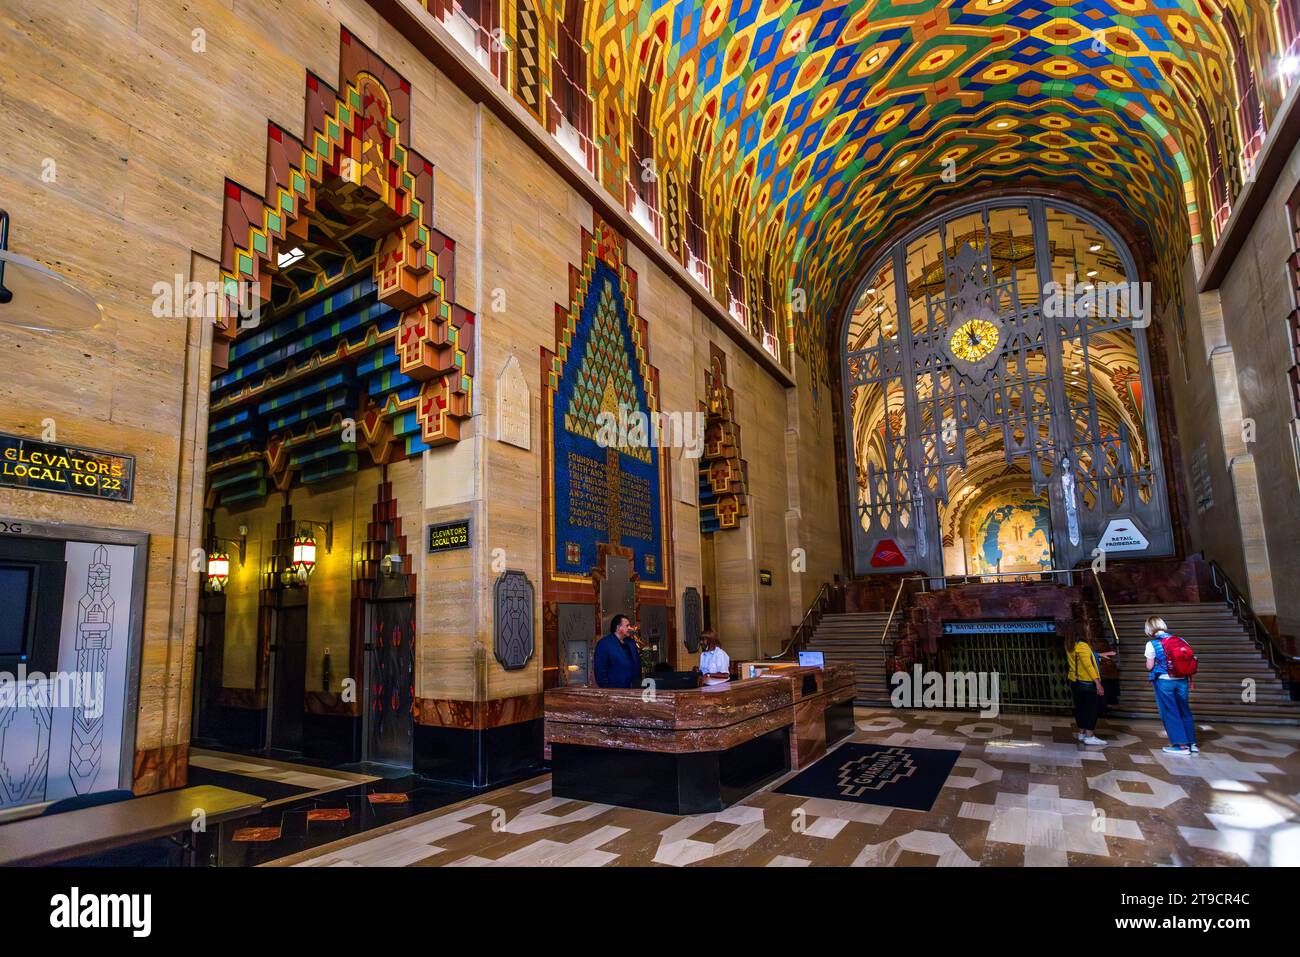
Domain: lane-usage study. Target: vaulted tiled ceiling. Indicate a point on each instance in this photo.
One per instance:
(827, 123)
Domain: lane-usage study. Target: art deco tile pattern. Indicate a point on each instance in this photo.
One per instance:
(1022, 793)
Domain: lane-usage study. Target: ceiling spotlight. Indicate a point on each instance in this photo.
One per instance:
(1091, 273)
(903, 162)
(289, 258)
(1094, 247)
(872, 59)
(880, 309)
(871, 290)
(1001, 124)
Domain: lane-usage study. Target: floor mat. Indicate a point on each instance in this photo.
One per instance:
(877, 774)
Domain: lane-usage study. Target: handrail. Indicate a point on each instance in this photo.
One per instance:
(1106, 607)
(798, 634)
(979, 579)
(893, 608)
(1267, 641)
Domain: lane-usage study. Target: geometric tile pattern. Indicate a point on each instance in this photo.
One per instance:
(821, 123)
(997, 808)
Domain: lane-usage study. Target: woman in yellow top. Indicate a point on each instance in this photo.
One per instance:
(1085, 685)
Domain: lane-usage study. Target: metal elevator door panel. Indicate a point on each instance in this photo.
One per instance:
(390, 681)
(290, 685)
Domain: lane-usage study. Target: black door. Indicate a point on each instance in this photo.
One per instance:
(208, 654)
(289, 687)
(390, 681)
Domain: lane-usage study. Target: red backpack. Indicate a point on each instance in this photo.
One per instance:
(1180, 662)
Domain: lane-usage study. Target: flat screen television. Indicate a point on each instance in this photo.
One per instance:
(17, 609)
(32, 575)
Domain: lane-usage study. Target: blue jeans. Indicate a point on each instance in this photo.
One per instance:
(1175, 712)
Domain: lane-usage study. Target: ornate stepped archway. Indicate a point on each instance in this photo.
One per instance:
(355, 157)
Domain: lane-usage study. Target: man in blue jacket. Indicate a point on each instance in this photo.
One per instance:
(618, 659)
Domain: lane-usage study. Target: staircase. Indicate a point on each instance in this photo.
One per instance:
(854, 639)
(1226, 656)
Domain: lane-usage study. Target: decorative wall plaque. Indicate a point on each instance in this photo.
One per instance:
(513, 632)
(1202, 486)
(692, 619)
(514, 406)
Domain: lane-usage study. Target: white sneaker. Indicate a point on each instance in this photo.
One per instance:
(1170, 749)
(1093, 741)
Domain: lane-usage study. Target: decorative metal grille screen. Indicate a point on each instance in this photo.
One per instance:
(1004, 342)
(1031, 668)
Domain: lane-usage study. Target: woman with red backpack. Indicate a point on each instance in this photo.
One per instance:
(1170, 666)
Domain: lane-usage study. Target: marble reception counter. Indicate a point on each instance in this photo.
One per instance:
(697, 750)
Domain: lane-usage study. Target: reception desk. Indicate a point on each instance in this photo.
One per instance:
(696, 750)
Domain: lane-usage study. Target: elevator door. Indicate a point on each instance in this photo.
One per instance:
(289, 688)
(390, 681)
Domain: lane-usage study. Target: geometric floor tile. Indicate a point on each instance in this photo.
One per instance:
(929, 843)
(1018, 794)
(1151, 791)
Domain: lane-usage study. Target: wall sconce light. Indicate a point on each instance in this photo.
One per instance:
(218, 571)
(303, 561)
(219, 560)
(5, 294)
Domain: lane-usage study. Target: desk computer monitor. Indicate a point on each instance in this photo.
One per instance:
(812, 659)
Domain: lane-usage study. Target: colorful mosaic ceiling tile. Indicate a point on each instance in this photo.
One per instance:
(828, 123)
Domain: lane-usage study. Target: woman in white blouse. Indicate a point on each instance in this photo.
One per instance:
(715, 664)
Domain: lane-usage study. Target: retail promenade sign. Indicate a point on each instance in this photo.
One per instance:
(42, 467)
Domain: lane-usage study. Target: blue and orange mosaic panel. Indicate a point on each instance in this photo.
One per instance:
(608, 481)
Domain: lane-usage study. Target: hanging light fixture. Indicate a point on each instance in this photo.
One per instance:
(218, 571)
(218, 567)
(304, 554)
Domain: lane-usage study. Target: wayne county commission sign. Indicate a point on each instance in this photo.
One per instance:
(42, 467)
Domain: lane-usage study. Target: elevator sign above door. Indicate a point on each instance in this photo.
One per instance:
(42, 467)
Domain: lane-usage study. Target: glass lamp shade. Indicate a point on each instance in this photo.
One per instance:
(218, 571)
(304, 554)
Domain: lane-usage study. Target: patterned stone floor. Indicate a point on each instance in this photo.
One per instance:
(1022, 792)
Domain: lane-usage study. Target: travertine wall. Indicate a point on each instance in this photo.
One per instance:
(1236, 399)
(146, 108)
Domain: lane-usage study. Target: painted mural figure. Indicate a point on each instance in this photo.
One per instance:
(1013, 538)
